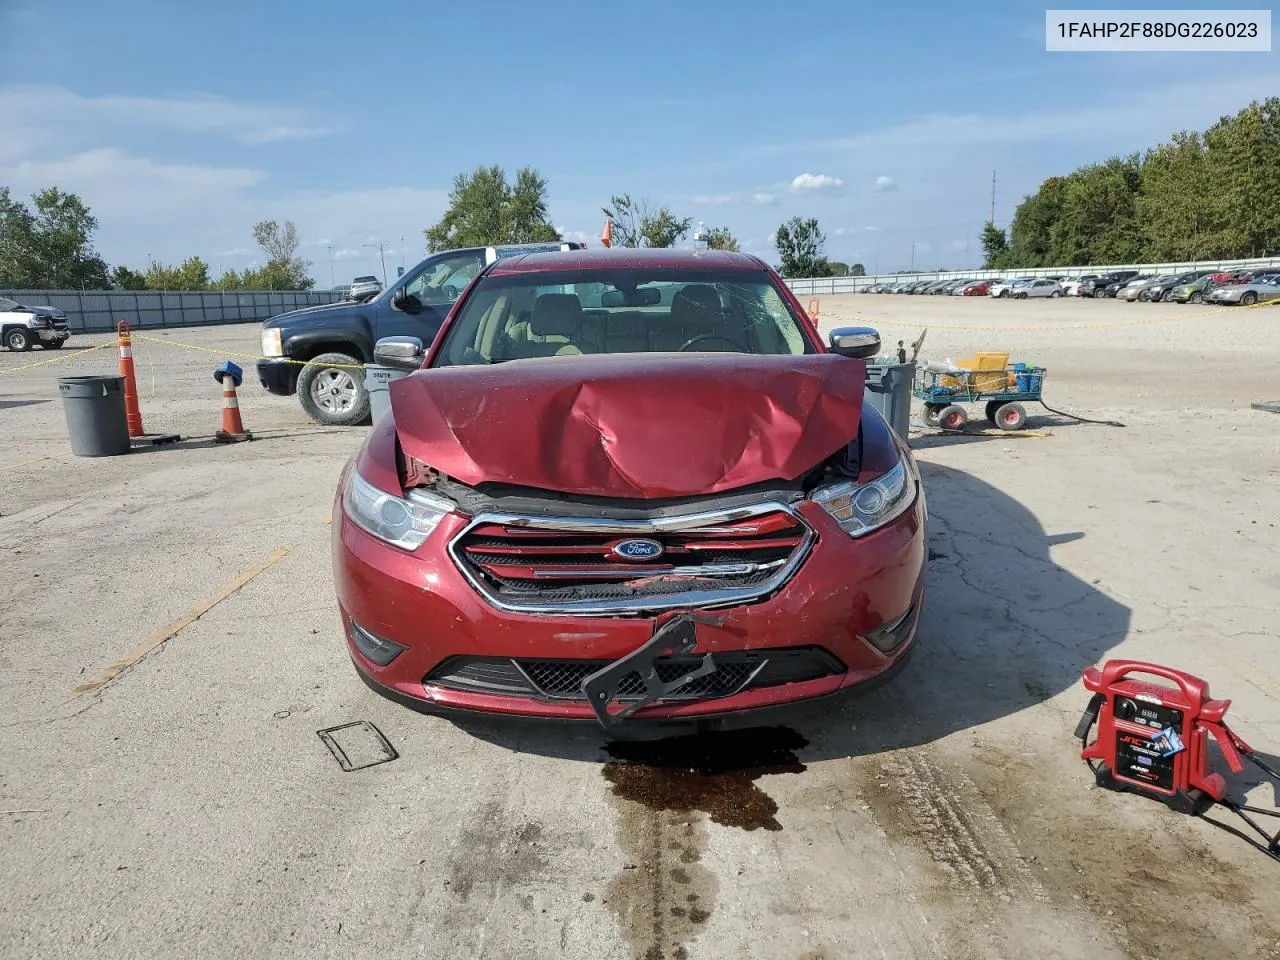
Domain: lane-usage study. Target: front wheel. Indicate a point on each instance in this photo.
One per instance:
(931, 413)
(992, 407)
(1249, 299)
(19, 341)
(1197, 297)
(332, 391)
(1011, 416)
(1055, 295)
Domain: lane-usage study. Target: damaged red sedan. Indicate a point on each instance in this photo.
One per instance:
(629, 486)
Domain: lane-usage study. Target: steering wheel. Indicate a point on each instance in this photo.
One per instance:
(714, 336)
(450, 292)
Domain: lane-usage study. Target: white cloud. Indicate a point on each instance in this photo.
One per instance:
(885, 185)
(871, 229)
(764, 199)
(235, 252)
(348, 253)
(715, 201)
(839, 231)
(815, 181)
(37, 115)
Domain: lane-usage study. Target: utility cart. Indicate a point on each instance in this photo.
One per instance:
(989, 378)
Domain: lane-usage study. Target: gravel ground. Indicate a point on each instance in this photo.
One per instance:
(188, 808)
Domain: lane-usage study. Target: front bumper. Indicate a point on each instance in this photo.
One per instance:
(52, 335)
(844, 590)
(278, 376)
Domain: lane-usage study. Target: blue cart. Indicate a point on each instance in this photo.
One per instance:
(1004, 391)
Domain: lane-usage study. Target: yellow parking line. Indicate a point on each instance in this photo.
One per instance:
(168, 632)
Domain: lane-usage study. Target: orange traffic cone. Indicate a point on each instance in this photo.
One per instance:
(606, 236)
(233, 431)
(813, 308)
(132, 412)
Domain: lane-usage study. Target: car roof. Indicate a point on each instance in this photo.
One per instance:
(641, 258)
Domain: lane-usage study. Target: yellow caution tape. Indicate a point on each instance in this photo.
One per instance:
(58, 359)
(247, 357)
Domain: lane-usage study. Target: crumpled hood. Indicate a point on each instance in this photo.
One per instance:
(631, 425)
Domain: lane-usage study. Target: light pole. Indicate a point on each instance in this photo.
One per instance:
(380, 247)
(332, 282)
(402, 253)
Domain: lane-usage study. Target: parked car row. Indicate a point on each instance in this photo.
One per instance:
(1195, 286)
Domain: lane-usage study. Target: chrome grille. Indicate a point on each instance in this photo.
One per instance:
(570, 565)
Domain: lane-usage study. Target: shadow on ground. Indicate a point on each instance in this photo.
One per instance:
(1004, 628)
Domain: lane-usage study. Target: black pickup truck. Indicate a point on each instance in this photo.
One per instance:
(338, 337)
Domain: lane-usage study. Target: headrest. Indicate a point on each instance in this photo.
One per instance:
(556, 315)
(697, 301)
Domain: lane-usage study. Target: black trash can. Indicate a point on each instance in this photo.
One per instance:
(888, 389)
(96, 421)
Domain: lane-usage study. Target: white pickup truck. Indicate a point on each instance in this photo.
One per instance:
(22, 326)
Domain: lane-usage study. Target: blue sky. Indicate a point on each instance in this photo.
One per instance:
(183, 124)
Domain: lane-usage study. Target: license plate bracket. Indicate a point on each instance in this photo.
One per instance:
(676, 638)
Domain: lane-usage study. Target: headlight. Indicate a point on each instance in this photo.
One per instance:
(860, 508)
(402, 523)
(271, 345)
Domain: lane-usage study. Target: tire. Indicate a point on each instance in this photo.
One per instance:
(1099, 292)
(52, 344)
(1248, 299)
(18, 340)
(1156, 296)
(1011, 416)
(334, 396)
(1197, 297)
(953, 418)
(992, 407)
(931, 413)
(1055, 295)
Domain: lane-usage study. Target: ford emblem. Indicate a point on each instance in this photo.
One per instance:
(638, 549)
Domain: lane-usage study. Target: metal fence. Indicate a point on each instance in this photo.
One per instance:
(855, 284)
(94, 311)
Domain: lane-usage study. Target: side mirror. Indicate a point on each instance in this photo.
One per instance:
(861, 343)
(406, 302)
(403, 353)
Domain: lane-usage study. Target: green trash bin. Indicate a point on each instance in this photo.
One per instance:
(888, 389)
(96, 421)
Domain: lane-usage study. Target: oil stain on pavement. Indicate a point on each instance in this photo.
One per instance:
(666, 790)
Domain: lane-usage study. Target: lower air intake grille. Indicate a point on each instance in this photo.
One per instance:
(562, 679)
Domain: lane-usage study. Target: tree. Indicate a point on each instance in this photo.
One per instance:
(799, 243)
(122, 278)
(857, 270)
(18, 267)
(193, 274)
(52, 247)
(719, 238)
(484, 210)
(995, 247)
(638, 224)
(837, 269)
(284, 270)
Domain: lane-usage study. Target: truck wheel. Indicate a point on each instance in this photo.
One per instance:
(19, 341)
(334, 395)
(992, 407)
(931, 413)
(953, 418)
(1011, 416)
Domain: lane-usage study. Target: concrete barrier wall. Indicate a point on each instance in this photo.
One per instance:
(854, 284)
(96, 311)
